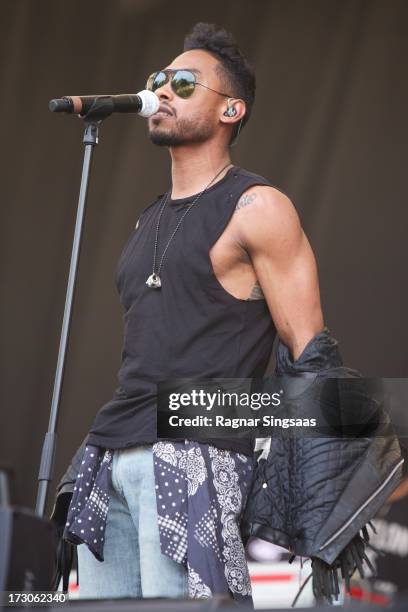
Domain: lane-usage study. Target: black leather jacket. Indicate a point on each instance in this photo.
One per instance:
(312, 496)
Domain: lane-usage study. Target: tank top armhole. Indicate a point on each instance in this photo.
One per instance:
(221, 226)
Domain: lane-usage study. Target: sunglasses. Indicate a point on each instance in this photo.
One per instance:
(183, 82)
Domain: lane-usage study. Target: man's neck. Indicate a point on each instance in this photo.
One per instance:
(193, 167)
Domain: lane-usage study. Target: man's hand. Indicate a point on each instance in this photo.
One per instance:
(269, 231)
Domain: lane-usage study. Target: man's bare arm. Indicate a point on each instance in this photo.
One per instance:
(270, 232)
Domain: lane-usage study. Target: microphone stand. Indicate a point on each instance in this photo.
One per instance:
(101, 108)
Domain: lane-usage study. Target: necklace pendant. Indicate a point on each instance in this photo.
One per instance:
(154, 281)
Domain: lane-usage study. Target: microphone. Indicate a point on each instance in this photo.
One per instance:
(144, 103)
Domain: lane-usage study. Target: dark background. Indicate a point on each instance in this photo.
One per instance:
(329, 127)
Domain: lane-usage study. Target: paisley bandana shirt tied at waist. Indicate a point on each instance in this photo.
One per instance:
(199, 526)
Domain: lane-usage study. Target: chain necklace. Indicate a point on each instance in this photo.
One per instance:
(154, 280)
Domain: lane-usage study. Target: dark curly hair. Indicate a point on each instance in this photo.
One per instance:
(236, 74)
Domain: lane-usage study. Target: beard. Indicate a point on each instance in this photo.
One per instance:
(181, 132)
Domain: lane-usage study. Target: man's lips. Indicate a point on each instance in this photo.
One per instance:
(163, 112)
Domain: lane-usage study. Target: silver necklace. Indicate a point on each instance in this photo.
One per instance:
(154, 280)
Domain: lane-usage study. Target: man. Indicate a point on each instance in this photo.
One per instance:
(213, 270)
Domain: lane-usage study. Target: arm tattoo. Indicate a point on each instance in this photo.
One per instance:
(256, 292)
(245, 200)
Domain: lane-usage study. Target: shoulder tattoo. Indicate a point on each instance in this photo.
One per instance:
(244, 200)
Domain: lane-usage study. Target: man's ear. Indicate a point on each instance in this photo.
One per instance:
(230, 105)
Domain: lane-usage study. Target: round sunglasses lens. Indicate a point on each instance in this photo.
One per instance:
(183, 83)
(156, 80)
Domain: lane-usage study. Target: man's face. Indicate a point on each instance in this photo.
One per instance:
(194, 119)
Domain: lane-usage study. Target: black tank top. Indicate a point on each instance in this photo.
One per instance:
(189, 328)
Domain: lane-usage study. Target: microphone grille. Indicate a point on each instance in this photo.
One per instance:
(150, 103)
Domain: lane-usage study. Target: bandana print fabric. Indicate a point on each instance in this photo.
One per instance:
(86, 519)
(201, 492)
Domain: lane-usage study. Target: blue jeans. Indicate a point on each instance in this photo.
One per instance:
(133, 564)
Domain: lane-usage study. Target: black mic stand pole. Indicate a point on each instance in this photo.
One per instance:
(102, 108)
